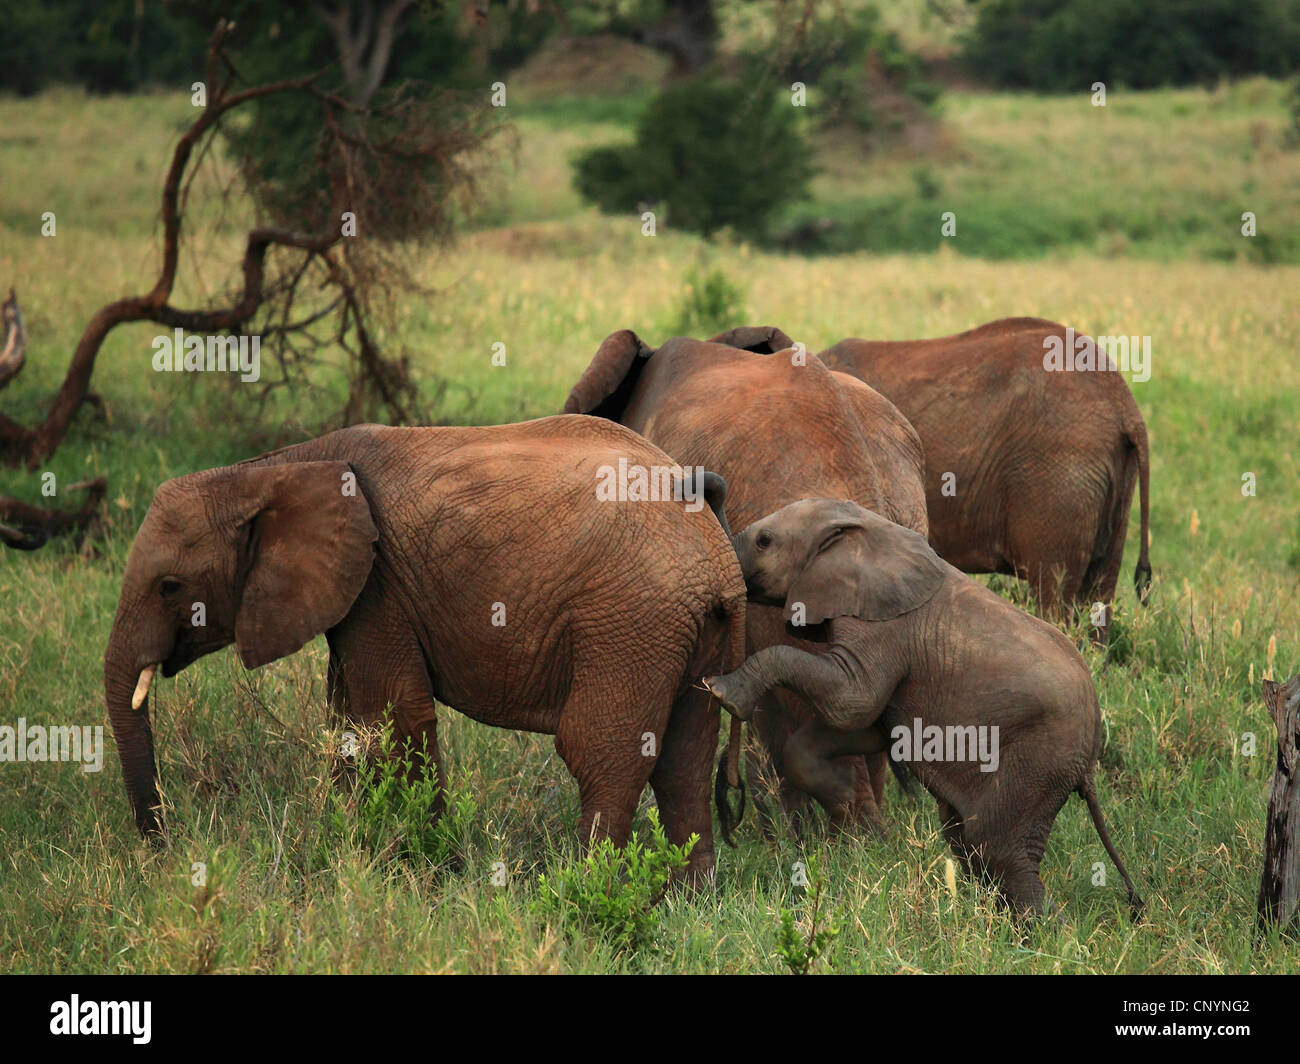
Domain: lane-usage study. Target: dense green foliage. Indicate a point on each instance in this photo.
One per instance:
(105, 45)
(858, 67)
(1067, 45)
(614, 890)
(716, 153)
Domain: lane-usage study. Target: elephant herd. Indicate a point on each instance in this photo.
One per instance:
(495, 570)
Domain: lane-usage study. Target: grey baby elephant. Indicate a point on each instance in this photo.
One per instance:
(993, 710)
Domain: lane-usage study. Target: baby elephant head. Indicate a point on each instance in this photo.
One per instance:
(264, 556)
(827, 558)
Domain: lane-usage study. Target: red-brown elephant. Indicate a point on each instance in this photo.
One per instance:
(1028, 471)
(479, 567)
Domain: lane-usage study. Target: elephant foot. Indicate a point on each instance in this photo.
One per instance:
(731, 691)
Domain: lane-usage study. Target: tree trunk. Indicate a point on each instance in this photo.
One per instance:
(1279, 886)
(687, 33)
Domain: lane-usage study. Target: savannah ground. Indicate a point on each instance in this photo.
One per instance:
(1120, 222)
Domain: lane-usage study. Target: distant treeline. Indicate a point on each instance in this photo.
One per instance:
(1044, 45)
(110, 46)
(104, 45)
(1066, 45)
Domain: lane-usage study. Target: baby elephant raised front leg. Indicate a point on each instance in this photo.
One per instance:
(827, 681)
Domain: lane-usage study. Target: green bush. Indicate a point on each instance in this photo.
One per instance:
(861, 71)
(801, 951)
(1066, 45)
(391, 811)
(1291, 136)
(717, 153)
(613, 891)
(710, 303)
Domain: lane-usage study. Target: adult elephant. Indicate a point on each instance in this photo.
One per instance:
(779, 426)
(492, 569)
(1028, 471)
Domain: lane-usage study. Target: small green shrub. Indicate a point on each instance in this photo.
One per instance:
(800, 952)
(717, 153)
(710, 303)
(1293, 555)
(613, 891)
(390, 810)
(1291, 136)
(865, 77)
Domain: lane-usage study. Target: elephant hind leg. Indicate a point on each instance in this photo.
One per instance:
(1051, 538)
(1102, 577)
(611, 739)
(1009, 853)
(681, 777)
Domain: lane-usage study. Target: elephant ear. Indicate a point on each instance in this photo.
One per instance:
(604, 389)
(861, 565)
(761, 339)
(306, 548)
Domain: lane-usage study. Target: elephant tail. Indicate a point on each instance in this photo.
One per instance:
(728, 776)
(899, 769)
(1087, 790)
(1136, 431)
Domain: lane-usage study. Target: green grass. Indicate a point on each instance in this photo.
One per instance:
(244, 756)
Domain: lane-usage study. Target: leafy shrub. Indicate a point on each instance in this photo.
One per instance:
(865, 76)
(613, 891)
(718, 153)
(1291, 136)
(709, 304)
(1066, 45)
(800, 952)
(390, 810)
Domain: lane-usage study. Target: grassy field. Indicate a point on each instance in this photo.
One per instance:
(291, 887)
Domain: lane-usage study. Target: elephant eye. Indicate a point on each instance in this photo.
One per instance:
(764, 539)
(169, 587)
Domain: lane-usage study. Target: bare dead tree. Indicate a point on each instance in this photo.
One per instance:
(365, 154)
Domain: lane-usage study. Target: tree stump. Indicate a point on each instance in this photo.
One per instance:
(1279, 886)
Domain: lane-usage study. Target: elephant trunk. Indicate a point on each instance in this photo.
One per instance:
(131, 728)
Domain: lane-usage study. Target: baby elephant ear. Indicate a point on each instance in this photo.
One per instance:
(861, 565)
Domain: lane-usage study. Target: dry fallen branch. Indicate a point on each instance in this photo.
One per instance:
(28, 527)
(1279, 885)
(13, 354)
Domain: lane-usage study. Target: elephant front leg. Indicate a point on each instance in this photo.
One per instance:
(369, 683)
(817, 761)
(827, 681)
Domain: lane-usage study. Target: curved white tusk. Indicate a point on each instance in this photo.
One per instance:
(142, 686)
